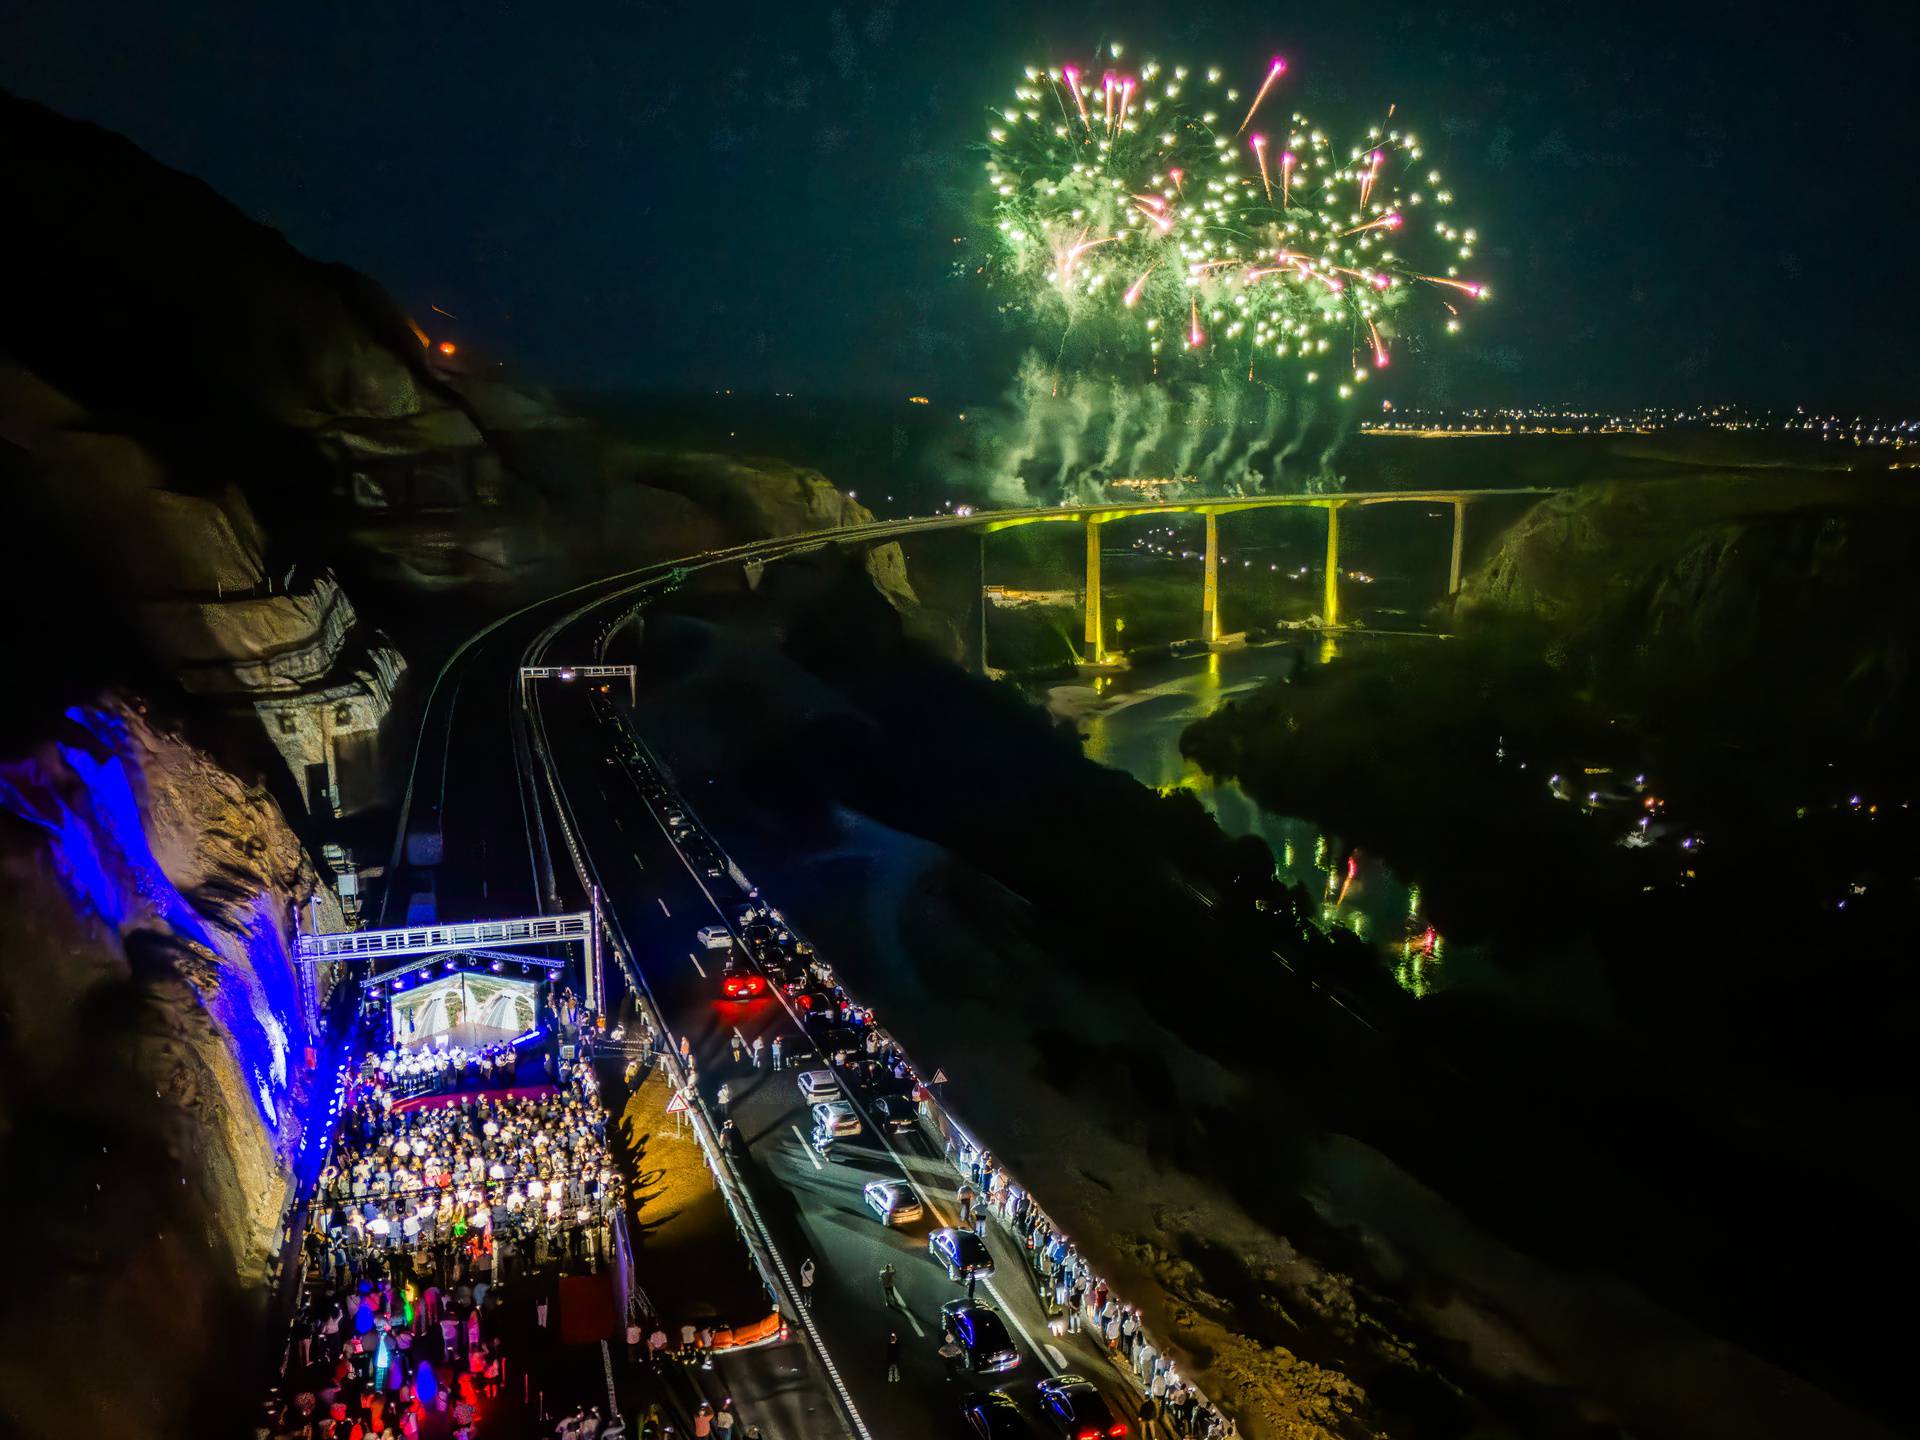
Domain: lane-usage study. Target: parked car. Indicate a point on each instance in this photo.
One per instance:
(892, 1201)
(894, 1114)
(816, 1085)
(995, 1415)
(836, 1118)
(714, 937)
(1078, 1410)
(982, 1335)
(962, 1252)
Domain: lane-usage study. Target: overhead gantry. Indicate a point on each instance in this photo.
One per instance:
(1093, 517)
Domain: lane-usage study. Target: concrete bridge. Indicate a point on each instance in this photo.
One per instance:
(1094, 516)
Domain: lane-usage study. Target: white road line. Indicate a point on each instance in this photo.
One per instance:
(806, 1147)
(907, 1310)
(637, 860)
(696, 965)
(1053, 1353)
(663, 907)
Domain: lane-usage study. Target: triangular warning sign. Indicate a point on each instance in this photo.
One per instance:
(678, 1103)
(939, 1077)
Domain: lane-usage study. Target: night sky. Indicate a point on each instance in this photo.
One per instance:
(1682, 203)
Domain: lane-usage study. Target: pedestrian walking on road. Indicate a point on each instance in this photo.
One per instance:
(950, 1352)
(723, 1097)
(1149, 1418)
(738, 1050)
(806, 1282)
(893, 1357)
(973, 1277)
(887, 1292)
(776, 1052)
(759, 1049)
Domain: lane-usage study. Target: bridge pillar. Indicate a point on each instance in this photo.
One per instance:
(1210, 584)
(980, 599)
(1330, 602)
(1096, 644)
(1459, 546)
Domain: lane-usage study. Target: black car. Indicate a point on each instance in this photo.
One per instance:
(982, 1335)
(995, 1416)
(1078, 1410)
(962, 1252)
(894, 1114)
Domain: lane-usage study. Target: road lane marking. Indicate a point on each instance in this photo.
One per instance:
(637, 860)
(663, 907)
(696, 965)
(806, 1147)
(907, 1310)
(1053, 1353)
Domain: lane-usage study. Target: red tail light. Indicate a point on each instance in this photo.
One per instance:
(1119, 1429)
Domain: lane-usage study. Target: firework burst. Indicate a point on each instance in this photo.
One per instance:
(1145, 213)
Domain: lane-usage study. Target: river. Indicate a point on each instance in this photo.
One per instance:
(1133, 720)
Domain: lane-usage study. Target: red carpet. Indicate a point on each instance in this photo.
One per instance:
(437, 1102)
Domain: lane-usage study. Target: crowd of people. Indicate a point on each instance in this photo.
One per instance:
(370, 1361)
(429, 1186)
(433, 1070)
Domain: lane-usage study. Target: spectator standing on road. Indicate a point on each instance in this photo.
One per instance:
(724, 1096)
(972, 1277)
(759, 1049)
(806, 1282)
(964, 1199)
(950, 1352)
(723, 1422)
(737, 1051)
(776, 1052)
(686, 1050)
(634, 1337)
(657, 1345)
(893, 1357)
(1149, 1418)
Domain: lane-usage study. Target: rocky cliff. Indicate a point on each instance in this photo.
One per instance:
(1742, 595)
(156, 1074)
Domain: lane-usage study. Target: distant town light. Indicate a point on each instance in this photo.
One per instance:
(447, 347)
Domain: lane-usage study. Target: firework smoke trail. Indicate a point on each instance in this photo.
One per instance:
(1074, 416)
(1276, 407)
(1229, 422)
(1153, 429)
(1122, 402)
(1199, 408)
(1302, 422)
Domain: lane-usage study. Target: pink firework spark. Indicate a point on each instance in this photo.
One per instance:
(1274, 72)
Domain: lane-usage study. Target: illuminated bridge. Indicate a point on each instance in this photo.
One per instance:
(1094, 516)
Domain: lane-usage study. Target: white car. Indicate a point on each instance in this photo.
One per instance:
(835, 1118)
(714, 937)
(893, 1201)
(818, 1085)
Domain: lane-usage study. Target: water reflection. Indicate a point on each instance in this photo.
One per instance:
(1132, 721)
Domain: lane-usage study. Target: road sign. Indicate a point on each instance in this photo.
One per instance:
(939, 1077)
(678, 1104)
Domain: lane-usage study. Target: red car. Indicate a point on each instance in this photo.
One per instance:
(739, 983)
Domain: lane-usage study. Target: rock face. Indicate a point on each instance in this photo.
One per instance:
(1741, 591)
(156, 1075)
(759, 496)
